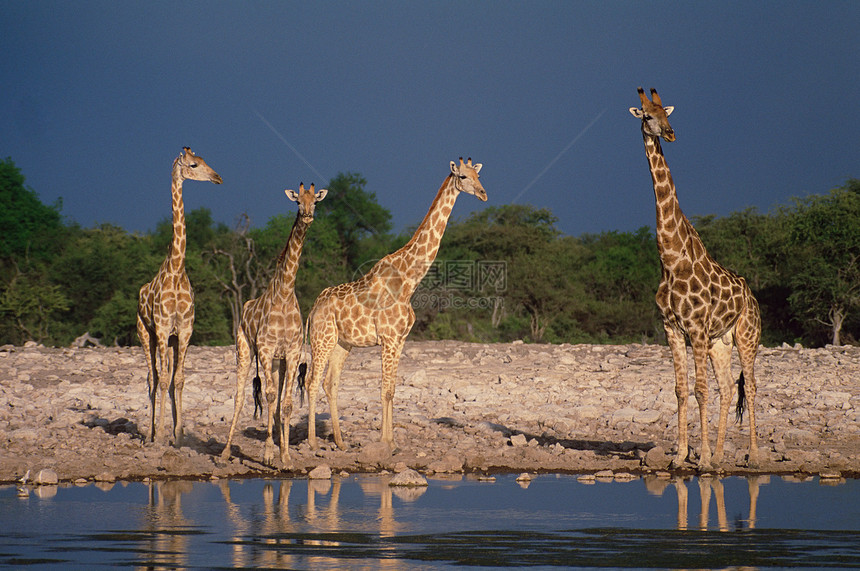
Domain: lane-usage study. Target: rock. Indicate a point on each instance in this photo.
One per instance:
(800, 437)
(624, 414)
(647, 416)
(321, 472)
(105, 477)
(469, 393)
(24, 434)
(46, 477)
(408, 478)
(519, 440)
(374, 453)
(171, 461)
(85, 411)
(588, 412)
(450, 463)
(657, 459)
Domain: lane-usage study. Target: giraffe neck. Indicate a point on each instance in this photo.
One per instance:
(176, 255)
(288, 261)
(676, 237)
(420, 251)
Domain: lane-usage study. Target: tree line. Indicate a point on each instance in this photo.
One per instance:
(503, 273)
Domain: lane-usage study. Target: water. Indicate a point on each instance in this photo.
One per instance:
(361, 522)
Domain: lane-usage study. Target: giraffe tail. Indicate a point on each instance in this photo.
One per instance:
(742, 400)
(258, 396)
(300, 383)
(257, 385)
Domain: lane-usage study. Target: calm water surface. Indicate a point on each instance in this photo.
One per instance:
(361, 522)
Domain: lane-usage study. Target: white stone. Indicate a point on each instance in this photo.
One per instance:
(408, 478)
(321, 472)
(46, 476)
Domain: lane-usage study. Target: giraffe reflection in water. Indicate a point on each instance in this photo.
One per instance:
(267, 537)
(167, 530)
(707, 485)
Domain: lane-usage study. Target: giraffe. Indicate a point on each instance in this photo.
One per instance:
(271, 328)
(376, 310)
(700, 300)
(165, 308)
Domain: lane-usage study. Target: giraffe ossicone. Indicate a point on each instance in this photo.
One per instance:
(271, 329)
(375, 309)
(698, 299)
(165, 308)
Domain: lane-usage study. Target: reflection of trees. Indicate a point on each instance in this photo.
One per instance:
(707, 486)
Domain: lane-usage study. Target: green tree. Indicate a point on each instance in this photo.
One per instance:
(755, 246)
(29, 228)
(355, 215)
(526, 240)
(825, 269)
(98, 265)
(34, 305)
(620, 276)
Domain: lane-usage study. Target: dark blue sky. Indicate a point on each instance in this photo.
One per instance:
(98, 98)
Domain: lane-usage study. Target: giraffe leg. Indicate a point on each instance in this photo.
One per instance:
(321, 348)
(747, 334)
(271, 397)
(287, 373)
(390, 360)
(164, 376)
(330, 385)
(679, 361)
(179, 384)
(279, 393)
(243, 366)
(700, 360)
(721, 360)
(148, 344)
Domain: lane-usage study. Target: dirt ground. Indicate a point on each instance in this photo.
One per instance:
(83, 414)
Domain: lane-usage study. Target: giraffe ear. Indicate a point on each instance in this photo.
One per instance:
(454, 168)
(477, 167)
(668, 110)
(320, 194)
(636, 112)
(292, 195)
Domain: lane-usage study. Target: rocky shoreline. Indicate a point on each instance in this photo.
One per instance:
(82, 414)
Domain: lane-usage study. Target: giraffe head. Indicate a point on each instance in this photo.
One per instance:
(192, 167)
(466, 178)
(307, 200)
(655, 117)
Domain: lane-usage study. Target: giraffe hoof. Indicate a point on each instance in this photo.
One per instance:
(677, 462)
(704, 468)
(753, 459)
